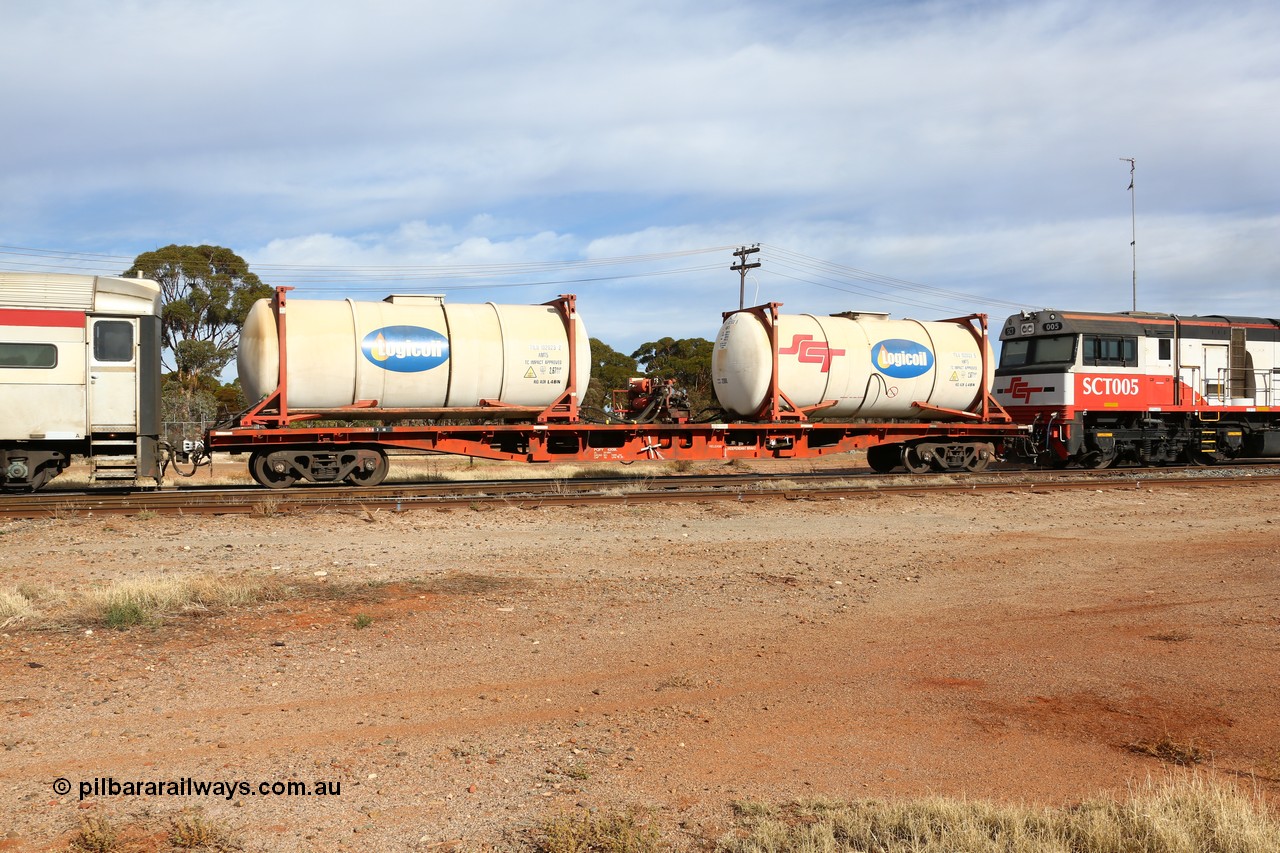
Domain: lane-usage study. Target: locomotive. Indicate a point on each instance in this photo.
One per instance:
(1151, 389)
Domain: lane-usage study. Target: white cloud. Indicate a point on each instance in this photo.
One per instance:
(972, 146)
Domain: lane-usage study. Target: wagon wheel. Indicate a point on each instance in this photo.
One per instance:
(979, 459)
(883, 458)
(363, 476)
(916, 462)
(263, 474)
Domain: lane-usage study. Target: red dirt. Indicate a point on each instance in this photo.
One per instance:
(1011, 646)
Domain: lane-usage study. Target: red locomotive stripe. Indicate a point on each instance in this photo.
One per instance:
(41, 317)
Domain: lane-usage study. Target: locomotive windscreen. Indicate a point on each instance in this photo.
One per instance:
(1023, 352)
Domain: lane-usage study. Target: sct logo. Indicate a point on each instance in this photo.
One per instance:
(808, 351)
(1020, 390)
(405, 349)
(901, 359)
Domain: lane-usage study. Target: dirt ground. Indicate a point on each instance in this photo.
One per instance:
(518, 664)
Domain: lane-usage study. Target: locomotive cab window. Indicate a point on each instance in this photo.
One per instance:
(28, 355)
(1115, 350)
(113, 340)
(1166, 349)
(1024, 352)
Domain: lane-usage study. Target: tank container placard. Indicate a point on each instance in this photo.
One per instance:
(901, 359)
(966, 369)
(405, 349)
(546, 364)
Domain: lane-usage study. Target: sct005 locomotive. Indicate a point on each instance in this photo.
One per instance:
(1097, 389)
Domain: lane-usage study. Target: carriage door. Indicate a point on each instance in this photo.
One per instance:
(113, 374)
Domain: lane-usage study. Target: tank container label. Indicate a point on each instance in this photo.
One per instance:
(901, 359)
(405, 349)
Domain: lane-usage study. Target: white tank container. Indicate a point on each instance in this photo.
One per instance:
(868, 366)
(411, 352)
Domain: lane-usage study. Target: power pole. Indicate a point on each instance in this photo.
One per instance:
(1133, 218)
(741, 268)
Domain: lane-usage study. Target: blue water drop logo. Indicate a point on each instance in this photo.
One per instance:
(405, 349)
(901, 359)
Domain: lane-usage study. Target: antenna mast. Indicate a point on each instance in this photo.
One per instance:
(1133, 218)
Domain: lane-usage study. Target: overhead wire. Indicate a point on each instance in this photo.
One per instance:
(779, 262)
(841, 272)
(335, 278)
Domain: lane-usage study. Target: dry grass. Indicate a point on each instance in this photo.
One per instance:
(189, 829)
(1169, 749)
(15, 607)
(193, 830)
(147, 600)
(583, 832)
(150, 600)
(128, 603)
(97, 834)
(1190, 815)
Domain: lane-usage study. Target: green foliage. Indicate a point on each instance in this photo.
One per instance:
(230, 398)
(206, 293)
(610, 370)
(688, 361)
(121, 615)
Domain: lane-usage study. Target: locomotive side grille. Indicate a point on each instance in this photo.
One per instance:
(1239, 364)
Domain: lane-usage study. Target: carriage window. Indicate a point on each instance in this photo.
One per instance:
(28, 355)
(1110, 349)
(1022, 352)
(113, 340)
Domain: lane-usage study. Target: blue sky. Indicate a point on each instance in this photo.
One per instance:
(502, 151)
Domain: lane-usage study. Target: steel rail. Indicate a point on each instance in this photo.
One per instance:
(629, 490)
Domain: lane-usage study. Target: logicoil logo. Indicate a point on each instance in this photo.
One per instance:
(901, 359)
(405, 349)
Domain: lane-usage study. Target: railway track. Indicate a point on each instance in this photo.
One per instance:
(403, 497)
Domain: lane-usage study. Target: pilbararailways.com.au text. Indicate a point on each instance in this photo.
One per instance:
(109, 786)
